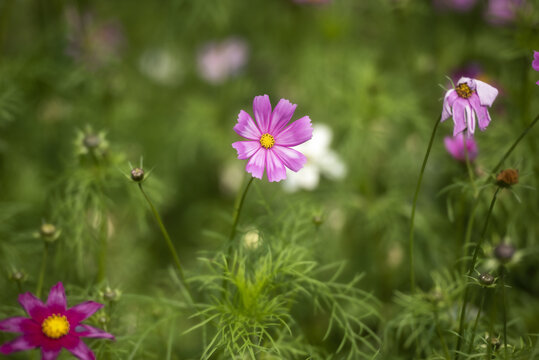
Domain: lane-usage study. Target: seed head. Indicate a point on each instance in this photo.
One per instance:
(91, 141)
(506, 178)
(486, 279)
(137, 174)
(504, 252)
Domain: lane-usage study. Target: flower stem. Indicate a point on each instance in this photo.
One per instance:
(483, 292)
(412, 218)
(440, 335)
(237, 212)
(42, 271)
(169, 243)
(470, 273)
(469, 165)
(504, 307)
(102, 260)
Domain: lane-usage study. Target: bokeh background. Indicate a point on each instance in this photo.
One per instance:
(88, 86)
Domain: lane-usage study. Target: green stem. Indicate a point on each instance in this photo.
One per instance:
(469, 227)
(504, 307)
(169, 243)
(470, 273)
(102, 260)
(477, 320)
(412, 218)
(237, 212)
(440, 335)
(42, 271)
(469, 166)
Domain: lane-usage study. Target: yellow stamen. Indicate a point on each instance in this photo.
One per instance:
(55, 326)
(267, 141)
(464, 91)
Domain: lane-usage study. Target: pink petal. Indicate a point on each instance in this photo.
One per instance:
(296, 133)
(91, 332)
(275, 167)
(449, 99)
(19, 344)
(483, 117)
(256, 164)
(80, 350)
(49, 354)
(262, 111)
(486, 93)
(535, 63)
(33, 306)
(246, 149)
(246, 127)
(82, 311)
(281, 115)
(459, 116)
(292, 159)
(18, 325)
(56, 302)
(470, 119)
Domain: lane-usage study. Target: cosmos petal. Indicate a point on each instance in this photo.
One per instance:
(262, 111)
(17, 325)
(246, 127)
(487, 93)
(80, 350)
(19, 344)
(256, 164)
(82, 311)
(246, 149)
(50, 354)
(281, 115)
(449, 100)
(292, 159)
(33, 306)
(296, 133)
(459, 117)
(84, 330)
(56, 302)
(275, 167)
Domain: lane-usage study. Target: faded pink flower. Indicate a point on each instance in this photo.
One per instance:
(219, 61)
(502, 12)
(470, 98)
(535, 63)
(270, 140)
(52, 326)
(457, 146)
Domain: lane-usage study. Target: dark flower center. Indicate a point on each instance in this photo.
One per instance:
(464, 91)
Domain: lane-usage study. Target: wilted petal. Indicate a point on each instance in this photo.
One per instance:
(91, 332)
(296, 133)
(19, 344)
(449, 100)
(274, 167)
(281, 115)
(56, 302)
(262, 111)
(292, 159)
(246, 149)
(80, 350)
(33, 306)
(246, 127)
(18, 325)
(50, 354)
(459, 116)
(483, 117)
(487, 94)
(82, 311)
(470, 119)
(256, 164)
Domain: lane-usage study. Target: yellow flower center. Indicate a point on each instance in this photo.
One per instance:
(267, 141)
(464, 91)
(55, 326)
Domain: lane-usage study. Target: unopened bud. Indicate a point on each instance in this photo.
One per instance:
(91, 141)
(110, 294)
(486, 279)
(48, 232)
(137, 174)
(317, 220)
(504, 252)
(507, 178)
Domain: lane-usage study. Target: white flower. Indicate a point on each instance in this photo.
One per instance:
(321, 160)
(161, 66)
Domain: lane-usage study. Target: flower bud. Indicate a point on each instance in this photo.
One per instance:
(506, 178)
(91, 141)
(48, 232)
(486, 279)
(504, 252)
(109, 294)
(137, 174)
(17, 276)
(318, 220)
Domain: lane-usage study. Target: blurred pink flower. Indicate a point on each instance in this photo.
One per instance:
(52, 326)
(470, 98)
(270, 141)
(457, 5)
(502, 12)
(219, 61)
(535, 63)
(456, 148)
(90, 42)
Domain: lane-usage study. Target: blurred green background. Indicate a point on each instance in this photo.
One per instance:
(165, 80)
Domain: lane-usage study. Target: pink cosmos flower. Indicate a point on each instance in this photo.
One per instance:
(455, 146)
(52, 326)
(217, 61)
(535, 63)
(470, 98)
(270, 140)
(502, 12)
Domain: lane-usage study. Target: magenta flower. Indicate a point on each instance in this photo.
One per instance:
(535, 63)
(52, 326)
(457, 146)
(270, 140)
(470, 98)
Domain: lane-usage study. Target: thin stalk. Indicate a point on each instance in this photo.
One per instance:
(168, 241)
(470, 273)
(42, 271)
(102, 260)
(504, 312)
(237, 212)
(469, 227)
(414, 204)
(469, 165)
(440, 335)
(483, 292)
